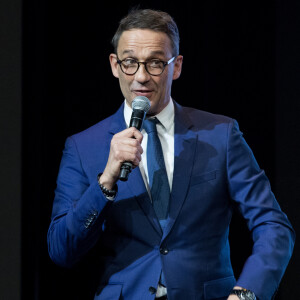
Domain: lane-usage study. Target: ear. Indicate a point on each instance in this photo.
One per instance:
(114, 64)
(177, 67)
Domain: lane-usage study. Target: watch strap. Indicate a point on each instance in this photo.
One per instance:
(243, 294)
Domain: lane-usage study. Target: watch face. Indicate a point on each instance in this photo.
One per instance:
(244, 295)
(249, 295)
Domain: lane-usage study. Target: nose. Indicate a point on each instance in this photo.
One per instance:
(142, 75)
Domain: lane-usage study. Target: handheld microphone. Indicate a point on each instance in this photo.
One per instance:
(140, 106)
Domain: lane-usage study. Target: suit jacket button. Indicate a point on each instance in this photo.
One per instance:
(164, 251)
(152, 290)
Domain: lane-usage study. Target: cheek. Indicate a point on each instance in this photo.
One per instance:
(165, 83)
(125, 87)
(124, 82)
(162, 81)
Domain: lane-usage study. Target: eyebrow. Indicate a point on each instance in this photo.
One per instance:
(127, 52)
(152, 53)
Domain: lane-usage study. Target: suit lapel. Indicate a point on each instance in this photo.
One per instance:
(184, 143)
(135, 182)
(117, 121)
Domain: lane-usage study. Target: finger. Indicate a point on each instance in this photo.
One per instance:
(130, 132)
(121, 145)
(137, 134)
(128, 138)
(128, 153)
(132, 143)
(125, 144)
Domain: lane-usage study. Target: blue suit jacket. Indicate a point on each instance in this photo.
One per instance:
(214, 170)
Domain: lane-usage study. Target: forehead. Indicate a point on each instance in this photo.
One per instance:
(144, 42)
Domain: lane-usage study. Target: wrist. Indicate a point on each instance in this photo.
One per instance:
(106, 180)
(109, 193)
(242, 293)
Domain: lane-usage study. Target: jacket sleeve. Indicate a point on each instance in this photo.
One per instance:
(272, 233)
(76, 216)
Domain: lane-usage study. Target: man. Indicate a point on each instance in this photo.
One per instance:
(171, 243)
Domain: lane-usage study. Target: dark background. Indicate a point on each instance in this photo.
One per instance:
(241, 59)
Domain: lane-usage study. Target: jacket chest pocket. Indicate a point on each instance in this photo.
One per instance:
(198, 179)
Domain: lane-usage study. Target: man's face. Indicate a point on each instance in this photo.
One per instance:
(144, 45)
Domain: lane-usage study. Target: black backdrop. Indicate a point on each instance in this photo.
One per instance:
(240, 60)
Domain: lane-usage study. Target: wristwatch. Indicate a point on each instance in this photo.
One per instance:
(244, 294)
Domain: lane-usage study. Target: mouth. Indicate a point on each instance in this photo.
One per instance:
(144, 92)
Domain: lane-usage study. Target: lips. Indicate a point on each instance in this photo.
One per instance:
(145, 93)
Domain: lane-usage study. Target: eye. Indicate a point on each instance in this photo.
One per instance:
(155, 63)
(129, 62)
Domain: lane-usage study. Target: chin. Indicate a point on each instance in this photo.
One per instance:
(152, 112)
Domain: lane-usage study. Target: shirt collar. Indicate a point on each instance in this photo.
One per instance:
(165, 117)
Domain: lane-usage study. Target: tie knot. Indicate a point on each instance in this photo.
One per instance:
(150, 125)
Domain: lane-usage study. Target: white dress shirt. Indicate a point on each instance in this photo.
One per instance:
(165, 130)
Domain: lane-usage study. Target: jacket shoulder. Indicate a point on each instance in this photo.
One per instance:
(203, 119)
(95, 130)
(102, 129)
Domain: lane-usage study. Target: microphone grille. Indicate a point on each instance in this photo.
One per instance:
(141, 103)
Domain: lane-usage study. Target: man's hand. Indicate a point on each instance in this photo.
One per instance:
(234, 297)
(124, 146)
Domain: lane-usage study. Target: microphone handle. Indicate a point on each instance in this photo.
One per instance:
(136, 121)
